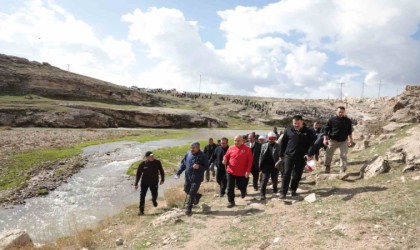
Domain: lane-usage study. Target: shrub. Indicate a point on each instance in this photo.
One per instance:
(175, 197)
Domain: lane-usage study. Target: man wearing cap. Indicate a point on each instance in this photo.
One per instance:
(270, 155)
(195, 163)
(296, 147)
(238, 160)
(255, 147)
(148, 171)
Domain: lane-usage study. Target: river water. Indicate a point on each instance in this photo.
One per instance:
(99, 190)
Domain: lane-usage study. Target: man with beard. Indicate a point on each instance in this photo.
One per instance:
(338, 134)
(256, 151)
(270, 155)
(217, 159)
(238, 160)
(296, 147)
(195, 163)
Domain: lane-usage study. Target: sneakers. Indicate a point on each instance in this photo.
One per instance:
(197, 198)
(230, 204)
(155, 204)
(243, 194)
(188, 212)
(262, 197)
(282, 196)
(294, 194)
(140, 213)
(327, 169)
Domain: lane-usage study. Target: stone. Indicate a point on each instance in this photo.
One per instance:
(409, 168)
(329, 177)
(258, 206)
(377, 165)
(205, 208)
(276, 240)
(339, 228)
(171, 215)
(119, 242)
(392, 126)
(264, 245)
(15, 239)
(395, 157)
(311, 198)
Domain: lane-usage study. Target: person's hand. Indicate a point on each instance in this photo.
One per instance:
(350, 143)
(136, 187)
(176, 177)
(326, 142)
(308, 157)
(246, 174)
(196, 166)
(161, 182)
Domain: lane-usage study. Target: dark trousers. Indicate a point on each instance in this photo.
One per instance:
(143, 192)
(293, 169)
(221, 179)
(191, 189)
(233, 181)
(207, 172)
(255, 177)
(267, 173)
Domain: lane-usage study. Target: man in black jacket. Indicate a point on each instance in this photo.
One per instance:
(338, 134)
(209, 151)
(270, 155)
(217, 159)
(148, 171)
(296, 147)
(256, 151)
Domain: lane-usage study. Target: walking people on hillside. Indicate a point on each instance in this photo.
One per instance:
(270, 155)
(296, 149)
(148, 172)
(209, 151)
(255, 147)
(195, 163)
(238, 160)
(217, 159)
(338, 134)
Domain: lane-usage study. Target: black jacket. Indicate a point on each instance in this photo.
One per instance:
(256, 152)
(338, 128)
(296, 144)
(263, 155)
(209, 150)
(217, 157)
(148, 172)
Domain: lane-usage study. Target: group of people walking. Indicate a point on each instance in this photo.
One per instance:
(278, 155)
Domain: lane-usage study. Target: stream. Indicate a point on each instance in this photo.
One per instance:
(101, 189)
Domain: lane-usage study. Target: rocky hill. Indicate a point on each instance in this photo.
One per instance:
(40, 95)
(405, 107)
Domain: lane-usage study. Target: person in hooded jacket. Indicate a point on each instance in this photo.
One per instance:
(194, 163)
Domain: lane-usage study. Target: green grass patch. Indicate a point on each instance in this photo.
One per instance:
(169, 156)
(22, 164)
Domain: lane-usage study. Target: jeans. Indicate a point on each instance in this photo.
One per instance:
(143, 192)
(221, 179)
(233, 181)
(332, 147)
(191, 189)
(293, 170)
(268, 172)
(255, 177)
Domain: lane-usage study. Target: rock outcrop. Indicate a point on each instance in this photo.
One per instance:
(19, 76)
(405, 107)
(15, 239)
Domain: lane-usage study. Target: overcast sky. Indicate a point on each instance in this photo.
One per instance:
(299, 48)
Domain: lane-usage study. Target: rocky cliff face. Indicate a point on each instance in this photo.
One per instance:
(405, 107)
(20, 76)
(78, 116)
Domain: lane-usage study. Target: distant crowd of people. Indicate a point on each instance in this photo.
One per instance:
(281, 154)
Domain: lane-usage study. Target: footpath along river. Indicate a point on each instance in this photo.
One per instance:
(99, 190)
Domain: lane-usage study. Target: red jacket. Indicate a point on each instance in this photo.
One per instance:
(239, 160)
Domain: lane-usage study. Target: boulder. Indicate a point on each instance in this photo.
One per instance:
(395, 157)
(410, 168)
(374, 167)
(311, 198)
(15, 239)
(171, 215)
(392, 126)
(205, 208)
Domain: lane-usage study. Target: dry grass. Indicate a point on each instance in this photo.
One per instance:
(175, 197)
(2, 128)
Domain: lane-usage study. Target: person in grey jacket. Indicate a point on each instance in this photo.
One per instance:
(270, 155)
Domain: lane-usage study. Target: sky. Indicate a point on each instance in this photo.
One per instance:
(285, 49)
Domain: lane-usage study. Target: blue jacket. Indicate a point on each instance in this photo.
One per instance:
(191, 174)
